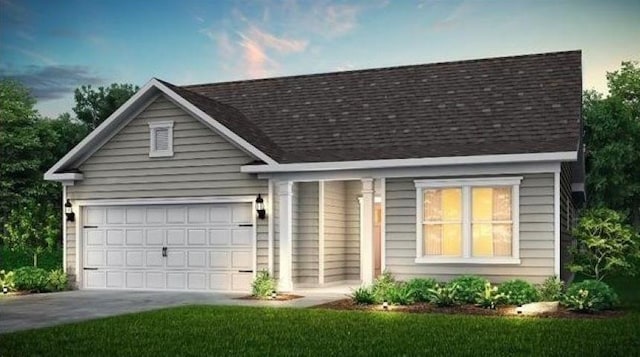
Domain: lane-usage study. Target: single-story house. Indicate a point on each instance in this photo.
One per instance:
(432, 170)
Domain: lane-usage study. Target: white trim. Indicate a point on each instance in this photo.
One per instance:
(64, 229)
(321, 235)
(434, 171)
(428, 161)
(153, 127)
(153, 201)
(366, 231)
(270, 217)
(466, 184)
(556, 223)
(254, 231)
(131, 106)
(454, 260)
(67, 176)
(221, 129)
(383, 224)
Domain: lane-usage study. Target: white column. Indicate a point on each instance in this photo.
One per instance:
(366, 232)
(285, 195)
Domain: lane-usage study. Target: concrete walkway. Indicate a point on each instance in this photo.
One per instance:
(22, 312)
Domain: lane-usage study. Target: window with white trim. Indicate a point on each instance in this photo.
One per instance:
(161, 139)
(468, 220)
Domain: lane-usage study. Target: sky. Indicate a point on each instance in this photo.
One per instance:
(54, 47)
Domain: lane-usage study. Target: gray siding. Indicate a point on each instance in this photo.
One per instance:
(305, 233)
(567, 217)
(204, 164)
(335, 243)
(536, 235)
(352, 216)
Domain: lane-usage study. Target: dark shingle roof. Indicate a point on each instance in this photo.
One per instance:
(506, 105)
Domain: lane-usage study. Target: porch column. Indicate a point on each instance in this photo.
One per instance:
(285, 195)
(366, 236)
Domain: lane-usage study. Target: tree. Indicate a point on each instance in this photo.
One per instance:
(612, 138)
(605, 245)
(32, 228)
(93, 106)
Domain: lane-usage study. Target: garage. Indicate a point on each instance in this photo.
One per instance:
(195, 247)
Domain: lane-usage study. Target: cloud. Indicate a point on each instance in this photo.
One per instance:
(34, 55)
(455, 18)
(52, 81)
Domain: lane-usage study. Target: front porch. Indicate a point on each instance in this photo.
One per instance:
(327, 233)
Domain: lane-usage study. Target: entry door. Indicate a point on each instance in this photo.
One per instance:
(175, 247)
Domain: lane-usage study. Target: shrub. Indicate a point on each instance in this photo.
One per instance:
(57, 280)
(605, 245)
(421, 288)
(7, 280)
(445, 295)
(470, 286)
(490, 297)
(518, 292)
(590, 295)
(551, 289)
(31, 279)
(263, 285)
(401, 294)
(364, 296)
(383, 286)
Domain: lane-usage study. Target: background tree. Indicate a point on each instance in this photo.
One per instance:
(93, 106)
(612, 137)
(605, 245)
(32, 228)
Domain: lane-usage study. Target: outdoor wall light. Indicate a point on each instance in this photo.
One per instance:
(71, 217)
(262, 213)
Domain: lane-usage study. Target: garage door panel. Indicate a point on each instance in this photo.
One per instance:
(196, 259)
(205, 247)
(175, 237)
(197, 281)
(134, 258)
(241, 237)
(241, 260)
(155, 237)
(115, 279)
(115, 258)
(134, 280)
(219, 259)
(94, 258)
(176, 280)
(115, 237)
(175, 259)
(219, 237)
(94, 237)
(219, 281)
(133, 237)
(155, 280)
(115, 215)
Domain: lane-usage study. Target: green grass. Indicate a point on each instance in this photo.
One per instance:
(12, 260)
(241, 331)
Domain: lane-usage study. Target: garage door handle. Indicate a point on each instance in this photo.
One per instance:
(90, 227)
(164, 251)
(245, 271)
(245, 225)
(90, 268)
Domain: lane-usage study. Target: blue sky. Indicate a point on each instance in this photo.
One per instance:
(56, 46)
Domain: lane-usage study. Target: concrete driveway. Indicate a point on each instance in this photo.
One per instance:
(22, 312)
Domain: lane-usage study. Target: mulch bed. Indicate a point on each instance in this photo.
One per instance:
(348, 304)
(279, 297)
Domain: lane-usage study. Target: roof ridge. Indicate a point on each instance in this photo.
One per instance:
(374, 69)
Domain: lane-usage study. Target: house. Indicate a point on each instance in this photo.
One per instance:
(435, 170)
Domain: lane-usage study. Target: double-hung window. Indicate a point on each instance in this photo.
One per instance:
(471, 221)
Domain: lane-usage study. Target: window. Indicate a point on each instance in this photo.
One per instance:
(161, 139)
(468, 220)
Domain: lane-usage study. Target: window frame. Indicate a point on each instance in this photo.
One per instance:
(153, 126)
(466, 185)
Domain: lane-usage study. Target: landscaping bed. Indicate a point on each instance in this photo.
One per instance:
(467, 309)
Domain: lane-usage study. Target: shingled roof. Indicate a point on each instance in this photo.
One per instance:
(506, 105)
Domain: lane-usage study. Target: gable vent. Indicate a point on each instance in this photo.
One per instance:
(161, 139)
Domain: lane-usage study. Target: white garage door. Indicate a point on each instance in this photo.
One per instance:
(175, 247)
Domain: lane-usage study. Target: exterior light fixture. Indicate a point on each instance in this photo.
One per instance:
(262, 213)
(385, 305)
(68, 211)
(274, 294)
